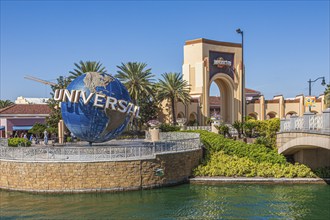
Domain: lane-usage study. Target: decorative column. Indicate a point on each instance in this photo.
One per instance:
(61, 132)
(293, 122)
(154, 134)
(262, 108)
(306, 117)
(326, 120)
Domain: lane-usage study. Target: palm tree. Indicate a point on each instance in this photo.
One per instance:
(173, 88)
(136, 78)
(5, 103)
(84, 67)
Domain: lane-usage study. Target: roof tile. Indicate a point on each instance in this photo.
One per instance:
(26, 109)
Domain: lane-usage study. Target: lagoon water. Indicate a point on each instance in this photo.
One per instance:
(179, 202)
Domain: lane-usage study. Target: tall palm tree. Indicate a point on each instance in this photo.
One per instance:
(173, 88)
(5, 103)
(87, 66)
(136, 78)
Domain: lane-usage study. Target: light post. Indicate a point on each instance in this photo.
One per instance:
(310, 87)
(239, 31)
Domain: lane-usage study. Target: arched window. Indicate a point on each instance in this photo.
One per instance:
(271, 115)
(254, 115)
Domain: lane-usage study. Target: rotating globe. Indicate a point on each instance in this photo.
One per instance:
(89, 119)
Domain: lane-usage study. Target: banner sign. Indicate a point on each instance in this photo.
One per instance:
(220, 62)
(310, 101)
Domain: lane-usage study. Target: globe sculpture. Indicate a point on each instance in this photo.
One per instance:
(90, 119)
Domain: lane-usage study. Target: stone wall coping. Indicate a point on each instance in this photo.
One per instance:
(222, 180)
(305, 132)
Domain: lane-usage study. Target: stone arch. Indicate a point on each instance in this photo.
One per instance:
(271, 115)
(180, 115)
(254, 115)
(291, 113)
(304, 143)
(226, 86)
(192, 118)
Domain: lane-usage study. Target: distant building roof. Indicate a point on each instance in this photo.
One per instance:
(22, 100)
(28, 109)
(214, 100)
(248, 91)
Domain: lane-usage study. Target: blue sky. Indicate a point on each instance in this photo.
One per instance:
(286, 43)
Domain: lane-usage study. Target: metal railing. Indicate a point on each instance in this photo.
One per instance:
(205, 128)
(126, 150)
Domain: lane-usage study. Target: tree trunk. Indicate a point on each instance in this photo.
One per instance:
(173, 112)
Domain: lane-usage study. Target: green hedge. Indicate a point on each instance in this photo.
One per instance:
(14, 142)
(255, 152)
(226, 157)
(169, 128)
(323, 172)
(221, 164)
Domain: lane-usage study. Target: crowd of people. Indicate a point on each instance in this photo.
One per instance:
(32, 137)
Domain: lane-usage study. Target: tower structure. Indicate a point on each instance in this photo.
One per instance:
(207, 61)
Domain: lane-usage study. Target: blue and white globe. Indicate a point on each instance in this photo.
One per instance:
(91, 123)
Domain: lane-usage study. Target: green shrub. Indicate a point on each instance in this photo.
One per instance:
(323, 172)
(131, 135)
(15, 142)
(255, 152)
(223, 129)
(169, 128)
(69, 139)
(221, 164)
(263, 141)
(268, 129)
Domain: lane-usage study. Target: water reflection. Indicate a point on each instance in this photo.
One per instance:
(181, 202)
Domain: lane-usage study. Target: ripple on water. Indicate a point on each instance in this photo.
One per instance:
(181, 202)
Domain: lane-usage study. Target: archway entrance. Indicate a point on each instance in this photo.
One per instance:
(226, 97)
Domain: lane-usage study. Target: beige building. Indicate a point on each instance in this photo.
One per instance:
(207, 61)
(279, 107)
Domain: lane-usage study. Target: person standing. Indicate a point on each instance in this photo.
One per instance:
(45, 137)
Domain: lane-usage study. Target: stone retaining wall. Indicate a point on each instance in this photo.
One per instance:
(98, 176)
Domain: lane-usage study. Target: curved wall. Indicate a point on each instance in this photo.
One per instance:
(98, 176)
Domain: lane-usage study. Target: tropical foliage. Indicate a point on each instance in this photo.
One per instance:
(5, 103)
(38, 129)
(22, 142)
(226, 157)
(55, 115)
(148, 109)
(221, 164)
(169, 128)
(174, 89)
(137, 79)
(84, 67)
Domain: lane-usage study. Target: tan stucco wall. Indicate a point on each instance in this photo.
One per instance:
(196, 71)
(97, 176)
(282, 107)
(307, 148)
(314, 158)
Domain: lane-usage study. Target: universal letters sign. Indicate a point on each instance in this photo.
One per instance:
(100, 101)
(221, 63)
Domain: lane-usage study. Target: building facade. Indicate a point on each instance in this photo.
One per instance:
(19, 118)
(207, 61)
